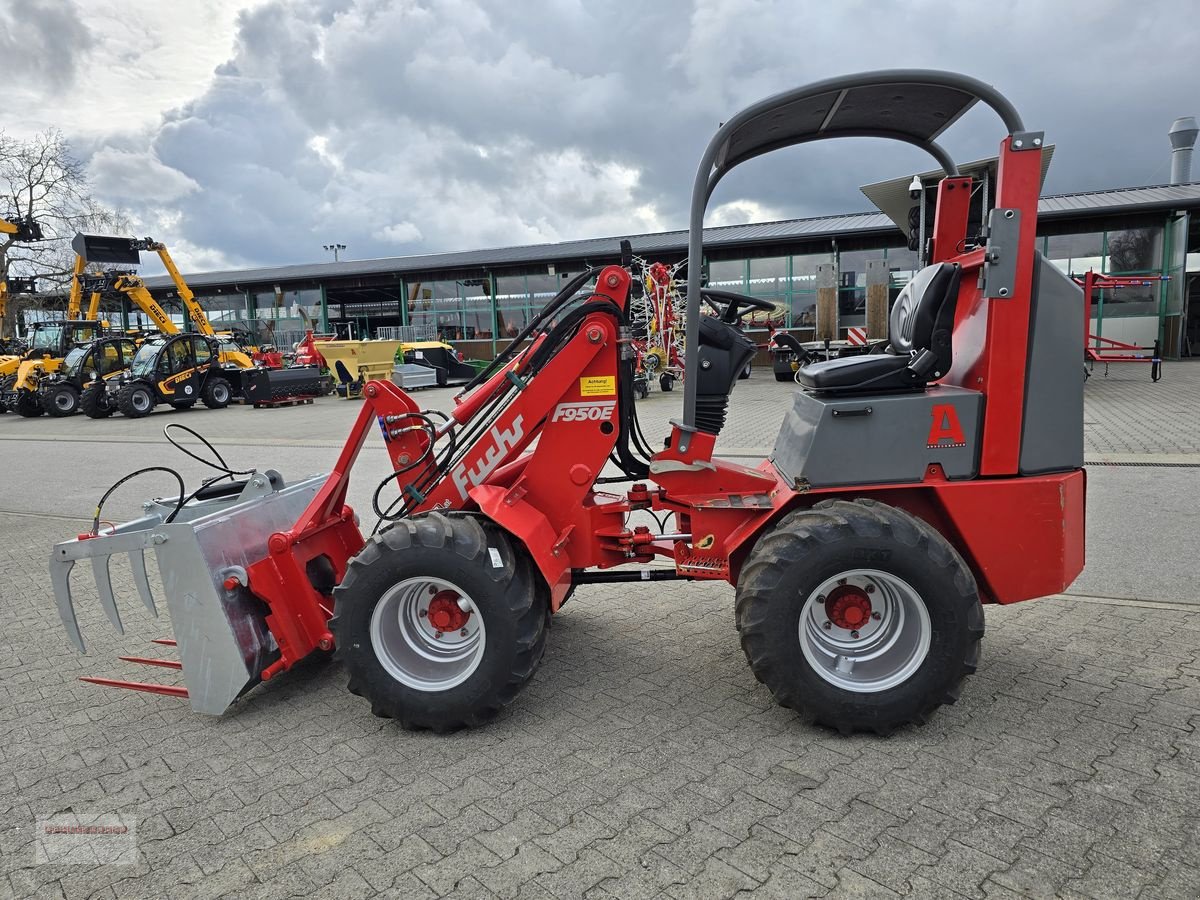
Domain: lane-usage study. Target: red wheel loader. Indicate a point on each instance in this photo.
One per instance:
(906, 488)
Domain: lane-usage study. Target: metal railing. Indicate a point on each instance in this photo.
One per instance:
(407, 333)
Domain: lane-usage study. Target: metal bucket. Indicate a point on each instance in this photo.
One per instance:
(219, 627)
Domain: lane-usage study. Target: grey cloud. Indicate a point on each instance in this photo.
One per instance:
(404, 126)
(43, 43)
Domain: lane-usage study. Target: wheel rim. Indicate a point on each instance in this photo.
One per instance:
(140, 401)
(865, 631)
(64, 401)
(405, 635)
(220, 393)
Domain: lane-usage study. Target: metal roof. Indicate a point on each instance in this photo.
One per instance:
(1087, 203)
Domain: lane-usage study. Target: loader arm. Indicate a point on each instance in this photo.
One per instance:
(133, 288)
(75, 299)
(194, 310)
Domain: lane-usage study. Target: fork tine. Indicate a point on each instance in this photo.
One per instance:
(137, 562)
(60, 579)
(104, 583)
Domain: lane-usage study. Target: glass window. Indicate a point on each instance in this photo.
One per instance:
(769, 281)
(46, 337)
(512, 305)
(802, 292)
(1134, 250)
(1076, 253)
(852, 286)
(728, 275)
(203, 352)
(144, 358)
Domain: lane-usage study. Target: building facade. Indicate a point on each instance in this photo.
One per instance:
(480, 299)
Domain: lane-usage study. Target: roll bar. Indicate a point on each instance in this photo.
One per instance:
(910, 105)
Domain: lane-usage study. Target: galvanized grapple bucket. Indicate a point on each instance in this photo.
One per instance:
(203, 553)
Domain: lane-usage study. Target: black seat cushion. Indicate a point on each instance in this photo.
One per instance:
(869, 372)
(920, 326)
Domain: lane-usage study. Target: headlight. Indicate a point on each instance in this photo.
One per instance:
(92, 376)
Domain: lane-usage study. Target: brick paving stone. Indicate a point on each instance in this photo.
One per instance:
(643, 761)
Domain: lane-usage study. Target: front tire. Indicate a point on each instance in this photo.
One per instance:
(62, 400)
(29, 405)
(746, 372)
(859, 615)
(94, 401)
(216, 393)
(135, 400)
(409, 645)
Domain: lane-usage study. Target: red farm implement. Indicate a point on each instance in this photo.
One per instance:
(1097, 349)
(906, 487)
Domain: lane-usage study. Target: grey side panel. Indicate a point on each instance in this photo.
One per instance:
(879, 439)
(1052, 432)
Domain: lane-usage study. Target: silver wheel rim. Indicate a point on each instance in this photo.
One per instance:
(64, 401)
(880, 653)
(412, 649)
(220, 393)
(140, 401)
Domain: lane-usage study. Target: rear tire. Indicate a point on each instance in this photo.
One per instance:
(135, 399)
(216, 393)
(859, 615)
(62, 400)
(94, 401)
(379, 623)
(29, 405)
(746, 372)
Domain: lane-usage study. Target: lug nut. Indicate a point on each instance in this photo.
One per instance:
(876, 616)
(423, 613)
(437, 635)
(463, 633)
(841, 581)
(827, 625)
(854, 634)
(820, 598)
(870, 588)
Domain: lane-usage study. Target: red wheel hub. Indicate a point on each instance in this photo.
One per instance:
(848, 607)
(445, 614)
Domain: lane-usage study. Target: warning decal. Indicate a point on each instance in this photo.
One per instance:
(598, 386)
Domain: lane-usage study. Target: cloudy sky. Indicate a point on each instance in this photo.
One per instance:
(251, 133)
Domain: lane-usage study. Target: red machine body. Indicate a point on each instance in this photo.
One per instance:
(522, 458)
(545, 496)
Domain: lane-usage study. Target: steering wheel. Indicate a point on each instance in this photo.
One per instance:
(730, 307)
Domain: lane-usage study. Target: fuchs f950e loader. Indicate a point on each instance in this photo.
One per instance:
(906, 488)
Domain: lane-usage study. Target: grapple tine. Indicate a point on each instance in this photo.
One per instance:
(168, 690)
(137, 562)
(60, 579)
(104, 584)
(152, 661)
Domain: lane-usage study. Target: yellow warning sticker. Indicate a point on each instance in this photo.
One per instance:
(598, 386)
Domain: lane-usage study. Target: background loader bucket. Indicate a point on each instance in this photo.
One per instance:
(106, 249)
(360, 360)
(219, 627)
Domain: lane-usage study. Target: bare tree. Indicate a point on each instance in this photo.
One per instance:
(39, 179)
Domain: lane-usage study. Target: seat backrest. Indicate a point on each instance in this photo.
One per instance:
(922, 317)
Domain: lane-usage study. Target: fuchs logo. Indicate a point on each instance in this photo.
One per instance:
(503, 440)
(583, 412)
(945, 431)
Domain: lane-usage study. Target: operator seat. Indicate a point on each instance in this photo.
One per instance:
(920, 326)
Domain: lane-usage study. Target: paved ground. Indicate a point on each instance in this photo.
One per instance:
(644, 759)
